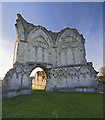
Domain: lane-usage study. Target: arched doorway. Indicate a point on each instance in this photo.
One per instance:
(38, 77)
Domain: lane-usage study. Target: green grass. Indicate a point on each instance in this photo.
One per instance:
(37, 89)
(42, 104)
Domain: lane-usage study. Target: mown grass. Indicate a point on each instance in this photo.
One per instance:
(42, 104)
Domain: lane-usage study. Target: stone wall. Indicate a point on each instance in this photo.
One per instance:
(61, 54)
(71, 77)
(17, 81)
(40, 45)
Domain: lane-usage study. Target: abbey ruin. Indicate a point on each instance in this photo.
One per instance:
(61, 55)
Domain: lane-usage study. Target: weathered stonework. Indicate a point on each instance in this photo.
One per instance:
(61, 55)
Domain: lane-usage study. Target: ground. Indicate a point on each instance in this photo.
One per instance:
(42, 104)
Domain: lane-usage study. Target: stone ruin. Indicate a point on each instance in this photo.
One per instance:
(60, 54)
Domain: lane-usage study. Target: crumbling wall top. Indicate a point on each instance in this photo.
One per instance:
(23, 28)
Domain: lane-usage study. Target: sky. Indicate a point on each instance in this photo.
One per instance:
(86, 17)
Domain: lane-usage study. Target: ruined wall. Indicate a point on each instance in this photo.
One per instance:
(62, 54)
(72, 77)
(17, 81)
(41, 45)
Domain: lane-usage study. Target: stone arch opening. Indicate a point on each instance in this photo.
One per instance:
(39, 78)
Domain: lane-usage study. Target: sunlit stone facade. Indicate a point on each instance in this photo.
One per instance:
(60, 54)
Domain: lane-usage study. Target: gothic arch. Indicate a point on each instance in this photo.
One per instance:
(64, 33)
(45, 70)
(72, 50)
(37, 31)
(83, 71)
(69, 42)
(32, 67)
(72, 71)
(40, 41)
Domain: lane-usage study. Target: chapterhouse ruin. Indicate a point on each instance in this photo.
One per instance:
(60, 55)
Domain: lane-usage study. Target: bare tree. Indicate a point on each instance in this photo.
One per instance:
(101, 76)
(102, 71)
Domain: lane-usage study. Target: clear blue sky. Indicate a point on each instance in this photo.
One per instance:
(86, 17)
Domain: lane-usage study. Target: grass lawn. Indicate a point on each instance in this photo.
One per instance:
(42, 104)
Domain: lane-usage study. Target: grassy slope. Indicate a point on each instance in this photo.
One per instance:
(51, 105)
